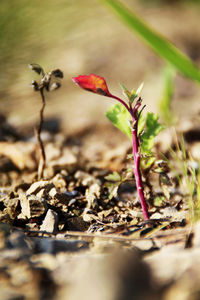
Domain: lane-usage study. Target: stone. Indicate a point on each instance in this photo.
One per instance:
(92, 194)
(52, 192)
(12, 208)
(84, 178)
(32, 206)
(37, 186)
(67, 160)
(59, 181)
(50, 223)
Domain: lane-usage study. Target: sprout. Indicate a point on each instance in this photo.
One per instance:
(49, 82)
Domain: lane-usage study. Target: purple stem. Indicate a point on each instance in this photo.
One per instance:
(136, 168)
(121, 101)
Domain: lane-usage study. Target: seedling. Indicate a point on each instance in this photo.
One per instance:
(120, 114)
(49, 82)
(114, 180)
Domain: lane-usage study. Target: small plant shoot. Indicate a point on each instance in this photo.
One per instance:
(126, 116)
(114, 180)
(49, 81)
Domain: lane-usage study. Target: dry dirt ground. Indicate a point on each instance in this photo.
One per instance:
(62, 237)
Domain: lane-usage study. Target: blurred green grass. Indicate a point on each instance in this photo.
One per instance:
(155, 40)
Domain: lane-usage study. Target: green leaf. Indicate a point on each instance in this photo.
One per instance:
(119, 116)
(114, 180)
(113, 177)
(147, 161)
(159, 200)
(135, 94)
(139, 89)
(131, 96)
(129, 156)
(167, 94)
(156, 41)
(152, 129)
(112, 190)
(126, 92)
(141, 124)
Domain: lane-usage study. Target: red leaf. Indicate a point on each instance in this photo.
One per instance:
(93, 83)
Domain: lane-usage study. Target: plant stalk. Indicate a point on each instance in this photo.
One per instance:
(136, 168)
(122, 102)
(42, 160)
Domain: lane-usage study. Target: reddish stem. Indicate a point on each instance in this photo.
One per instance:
(121, 101)
(136, 168)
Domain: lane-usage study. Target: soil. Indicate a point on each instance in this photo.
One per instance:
(63, 237)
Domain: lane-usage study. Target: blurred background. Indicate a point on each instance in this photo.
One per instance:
(83, 37)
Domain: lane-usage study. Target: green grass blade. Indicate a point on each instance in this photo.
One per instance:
(157, 42)
(167, 95)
